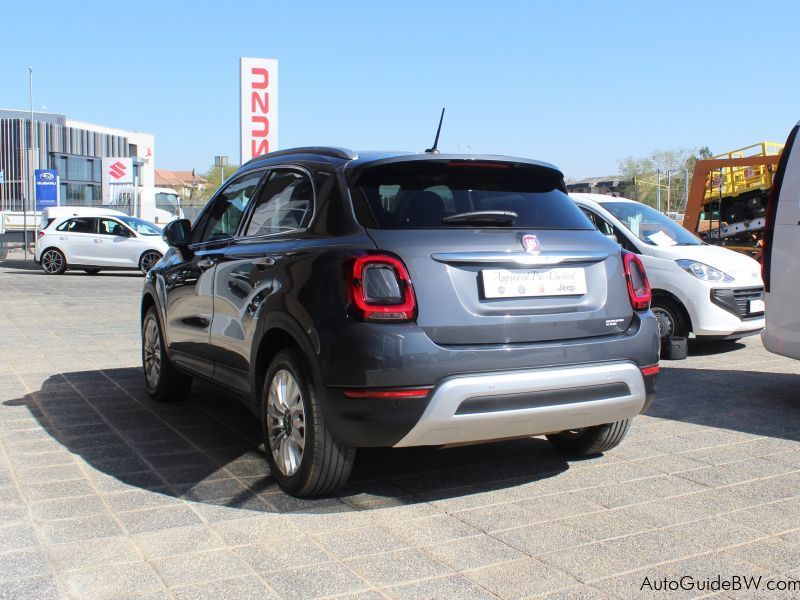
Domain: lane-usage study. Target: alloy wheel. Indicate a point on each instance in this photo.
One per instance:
(52, 261)
(148, 260)
(151, 346)
(286, 423)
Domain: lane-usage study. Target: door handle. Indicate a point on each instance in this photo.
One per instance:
(205, 263)
(264, 261)
(63, 237)
(98, 241)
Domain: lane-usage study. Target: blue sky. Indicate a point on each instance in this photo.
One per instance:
(580, 84)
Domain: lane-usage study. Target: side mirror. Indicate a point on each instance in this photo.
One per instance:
(176, 233)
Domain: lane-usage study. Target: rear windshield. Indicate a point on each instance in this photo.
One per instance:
(420, 194)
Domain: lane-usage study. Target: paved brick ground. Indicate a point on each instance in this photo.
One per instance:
(105, 494)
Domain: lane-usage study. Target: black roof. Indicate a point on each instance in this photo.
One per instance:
(356, 160)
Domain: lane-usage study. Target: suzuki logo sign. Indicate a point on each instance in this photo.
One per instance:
(258, 107)
(117, 170)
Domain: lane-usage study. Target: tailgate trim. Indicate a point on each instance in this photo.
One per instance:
(518, 258)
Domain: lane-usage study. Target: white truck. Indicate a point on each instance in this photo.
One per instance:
(158, 205)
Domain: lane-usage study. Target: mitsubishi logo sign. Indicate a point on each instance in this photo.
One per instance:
(117, 170)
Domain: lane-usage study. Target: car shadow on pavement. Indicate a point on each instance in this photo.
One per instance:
(28, 267)
(701, 348)
(209, 450)
(754, 402)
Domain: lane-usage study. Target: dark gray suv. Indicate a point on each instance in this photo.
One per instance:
(393, 299)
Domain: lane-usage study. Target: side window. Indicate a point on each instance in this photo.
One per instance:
(79, 225)
(221, 221)
(602, 225)
(286, 203)
(607, 228)
(112, 227)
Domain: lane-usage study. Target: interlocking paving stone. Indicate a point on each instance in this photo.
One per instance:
(178, 540)
(314, 582)
(23, 563)
(359, 542)
(397, 567)
(473, 552)
(89, 553)
(111, 580)
(163, 517)
(441, 588)
(521, 578)
(240, 588)
(199, 567)
(96, 480)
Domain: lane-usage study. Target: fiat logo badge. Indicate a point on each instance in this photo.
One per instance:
(531, 244)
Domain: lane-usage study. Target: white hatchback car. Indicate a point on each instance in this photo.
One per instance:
(99, 242)
(699, 290)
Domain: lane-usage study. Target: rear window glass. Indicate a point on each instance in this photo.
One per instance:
(420, 194)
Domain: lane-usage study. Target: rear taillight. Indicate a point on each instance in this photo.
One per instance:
(638, 286)
(40, 234)
(380, 289)
(772, 210)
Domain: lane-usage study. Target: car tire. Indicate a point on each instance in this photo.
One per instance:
(591, 440)
(669, 316)
(303, 457)
(148, 259)
(91, 271)
(53, 261)
(164, 383)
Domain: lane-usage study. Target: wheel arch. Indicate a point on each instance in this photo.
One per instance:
(278, 332)
(659, 293)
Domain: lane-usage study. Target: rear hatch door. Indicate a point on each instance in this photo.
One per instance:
(544, 275)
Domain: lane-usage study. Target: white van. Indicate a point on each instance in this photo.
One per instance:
(699, 290)
(781, 255)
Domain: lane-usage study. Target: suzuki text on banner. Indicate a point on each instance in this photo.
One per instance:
(258, 111)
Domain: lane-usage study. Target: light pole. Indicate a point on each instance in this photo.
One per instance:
(221, 162)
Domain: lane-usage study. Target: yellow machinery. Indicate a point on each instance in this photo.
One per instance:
(729, 194)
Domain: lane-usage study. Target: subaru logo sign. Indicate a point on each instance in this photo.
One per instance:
(46, 176)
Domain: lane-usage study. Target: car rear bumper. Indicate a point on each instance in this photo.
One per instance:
(506, 405)
(493, 406)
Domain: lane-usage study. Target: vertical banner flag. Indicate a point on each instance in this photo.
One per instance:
(46, 188)
(258, 107)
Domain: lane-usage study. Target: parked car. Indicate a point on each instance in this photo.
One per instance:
(781, 255)
(401, 300)
(93, 242)
(699, 290)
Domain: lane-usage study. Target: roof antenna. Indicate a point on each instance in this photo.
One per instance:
(435, 150)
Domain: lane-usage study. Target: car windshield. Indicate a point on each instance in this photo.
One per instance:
(649, 225)
(141, 226)
(428, 194)
(168, 202)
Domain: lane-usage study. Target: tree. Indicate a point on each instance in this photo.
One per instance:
(213, 176)
(672, 164)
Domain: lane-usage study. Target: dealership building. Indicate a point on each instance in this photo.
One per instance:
(76, 151)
